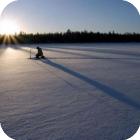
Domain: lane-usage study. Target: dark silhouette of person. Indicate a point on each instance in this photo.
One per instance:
(39, 53)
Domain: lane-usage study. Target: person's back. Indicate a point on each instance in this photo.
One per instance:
(39, 53)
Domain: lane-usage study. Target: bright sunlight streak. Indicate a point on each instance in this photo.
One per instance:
(9, 27)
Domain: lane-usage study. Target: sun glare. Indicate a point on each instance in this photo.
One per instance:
(9, 27)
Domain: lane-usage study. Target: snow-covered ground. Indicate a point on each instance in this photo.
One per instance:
(81, 92)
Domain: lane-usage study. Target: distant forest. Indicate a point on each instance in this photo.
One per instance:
(69, 37)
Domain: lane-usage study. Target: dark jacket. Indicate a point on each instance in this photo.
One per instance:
(40, 52)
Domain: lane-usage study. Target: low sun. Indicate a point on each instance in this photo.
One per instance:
(9, 27)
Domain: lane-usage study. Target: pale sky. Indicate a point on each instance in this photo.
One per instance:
(60, 15)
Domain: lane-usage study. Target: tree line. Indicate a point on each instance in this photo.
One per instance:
(70, 37)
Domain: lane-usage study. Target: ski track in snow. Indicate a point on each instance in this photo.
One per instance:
(80, 92)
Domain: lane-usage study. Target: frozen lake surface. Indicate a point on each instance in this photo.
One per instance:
(80, 92)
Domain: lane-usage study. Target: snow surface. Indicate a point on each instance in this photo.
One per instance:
(80, 92)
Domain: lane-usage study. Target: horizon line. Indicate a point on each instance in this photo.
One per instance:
(70, 31)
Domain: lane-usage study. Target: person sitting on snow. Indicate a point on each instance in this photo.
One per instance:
(39, 53)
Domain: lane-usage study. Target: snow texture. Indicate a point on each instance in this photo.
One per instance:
(80, 92)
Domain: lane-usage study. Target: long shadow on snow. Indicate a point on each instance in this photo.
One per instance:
(108, 51)
(67, 52)
(86, 56)
(106, 89)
